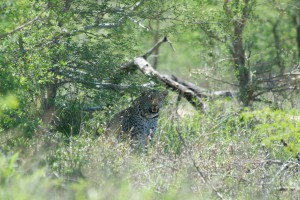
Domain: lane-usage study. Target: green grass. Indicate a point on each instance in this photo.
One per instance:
(207, 156)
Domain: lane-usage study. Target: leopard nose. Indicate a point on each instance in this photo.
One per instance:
(154, 108)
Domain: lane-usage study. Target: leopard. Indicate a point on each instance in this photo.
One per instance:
(139, 121)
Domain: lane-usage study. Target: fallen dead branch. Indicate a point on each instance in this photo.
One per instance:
(191, 92)
(194, 98)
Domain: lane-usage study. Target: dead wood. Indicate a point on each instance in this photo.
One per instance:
(191, 92)
(145, 67)
(129, 67)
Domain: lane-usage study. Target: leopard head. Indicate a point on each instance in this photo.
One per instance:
(150, 102)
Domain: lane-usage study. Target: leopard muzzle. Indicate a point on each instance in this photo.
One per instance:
(154, 109)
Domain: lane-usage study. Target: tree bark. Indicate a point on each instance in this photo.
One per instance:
(296, 20)
(192, 93)
(238, 52)
(243, 74)
(48, 102)
(195, 99)
(156, 39)
(279, 61)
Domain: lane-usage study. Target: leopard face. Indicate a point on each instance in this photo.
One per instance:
(150, 103)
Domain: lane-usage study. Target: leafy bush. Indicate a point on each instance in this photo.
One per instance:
(277, 127)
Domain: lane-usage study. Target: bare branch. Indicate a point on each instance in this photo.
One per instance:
(157, 45)
(92, 109)
(130, 67)
(78, 77)
(22, 26)
(121, 20)
(191, 96)
(220, 80)
(107, 25)
(277, 84)
(192, 93)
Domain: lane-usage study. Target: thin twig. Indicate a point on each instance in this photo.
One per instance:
(146, 172)
(216, 79)
(197, 167)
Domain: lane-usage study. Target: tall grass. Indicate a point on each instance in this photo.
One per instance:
(213, 155)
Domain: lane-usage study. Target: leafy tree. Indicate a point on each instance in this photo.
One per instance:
(69, 49)
(58, 55)
(260, 38)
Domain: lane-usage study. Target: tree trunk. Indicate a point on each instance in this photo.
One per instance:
(242, 72)
(49, 104)
(278, 60)
(296, 20)
(156, 39)
(238, 51)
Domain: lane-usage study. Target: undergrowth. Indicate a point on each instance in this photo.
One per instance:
(213, 155)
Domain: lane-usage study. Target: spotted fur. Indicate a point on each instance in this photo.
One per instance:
(139, 121)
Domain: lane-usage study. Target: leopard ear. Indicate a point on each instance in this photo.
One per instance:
(165, 93)
(144, 93)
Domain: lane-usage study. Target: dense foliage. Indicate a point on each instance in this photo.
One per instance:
(62, 77)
